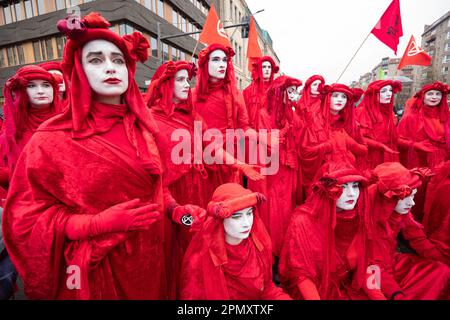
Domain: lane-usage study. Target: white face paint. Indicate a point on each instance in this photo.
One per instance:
(338, 102)
(386, 94)
(405, 205)
(238, 226)
(349, 196)
(106, 70)
(432, 98)
(266, 70)
(314, 87)
(181, 86)
(40, 93)
(217, 65)
(62, 86)
(292, 93)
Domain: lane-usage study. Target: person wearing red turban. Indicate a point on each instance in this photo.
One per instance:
(331, 134)
(230, 258)
(310, 101)
(377, 121)
(436, 220)
(327, 247)
(221, 106)
(404, 275)
(169, 99)
(263, 72)
(55, 68)
(281, 186)
(83, 218)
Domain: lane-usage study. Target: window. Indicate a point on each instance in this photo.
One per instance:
(448, 35)
(11, 57)
(183, 24)
(2, 59)
(154, 46)
(165, 52)
(29, 13)
(41, 6)
(431, 53)
(122, 30)
(447, 47)
(148, 4)
(37, 51)
(60, 42)
(446, 58)
(175, 18)
(20, 54)
(73, 3)
(49, 49)
(174, 54)
(129, 29)
(7, 13)
(60, 4)
(154, 5)
(18, 10)
(182, 55)
(231, 10)
(448, 23)
(445, 70)
(161, 8)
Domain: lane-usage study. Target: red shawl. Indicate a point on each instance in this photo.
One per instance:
(220, 104)
(424, 123)
(62, 172)
(377, 121)
(255, 93)
(21, 120)
(213, 270)
(328, 247)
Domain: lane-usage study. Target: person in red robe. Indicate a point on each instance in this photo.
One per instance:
(331, 134)
(263, 72)
(55, 68)
(405, 276)
(281, 186)
(436, 220)
(169, 99)
(310, 100)
(377, 121)
(221, 106)
(83, 218)
(230, 258)
(327, 247)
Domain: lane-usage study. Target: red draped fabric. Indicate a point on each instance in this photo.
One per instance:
(308, 103)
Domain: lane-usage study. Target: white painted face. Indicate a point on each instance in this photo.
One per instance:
(432, 98)
(338, 102)
(386, 94)
(62, 86)
(349, 197)
(266, 70)
(105, 68)
(40, 93)
(314, 87)
(405, 205)
(217, 65)
(292, 93)
(181, 86)
(238, 226)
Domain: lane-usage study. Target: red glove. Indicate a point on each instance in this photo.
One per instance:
(250, 171)
(225, 209)
(126, 216)
(424, 146)
(189, 215)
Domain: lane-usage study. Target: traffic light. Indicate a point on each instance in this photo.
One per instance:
(245, 28)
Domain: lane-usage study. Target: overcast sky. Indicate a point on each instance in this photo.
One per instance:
(320, 36)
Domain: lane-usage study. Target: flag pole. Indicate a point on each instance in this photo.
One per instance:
(193, 52)
(348, 64)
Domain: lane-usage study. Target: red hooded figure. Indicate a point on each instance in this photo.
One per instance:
(281, 186)
(327, 247)
(310, 103)
(436, 220)
(255, 93)
(421, 132)
(404, 275)
(331, 135)
(377, 122)
(55, 68)
(223, 263)
(22, 117)
(83, 219)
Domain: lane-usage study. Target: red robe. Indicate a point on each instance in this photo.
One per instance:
(254, 97)
(58, 176)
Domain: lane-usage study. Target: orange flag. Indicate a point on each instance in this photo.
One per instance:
(253, 49)
(213, 31)
(414, 56)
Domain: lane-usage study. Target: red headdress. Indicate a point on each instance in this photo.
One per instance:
(134, 47)
(160, 90)
(18, 115)
(277, 98)
(417, 105)
(227, 199)
(326, 190)
(257, 74)
(306, 100)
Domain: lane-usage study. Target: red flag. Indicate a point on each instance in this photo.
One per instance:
(414, 56)
(389, 28)
(253, 49)
(213, 31)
